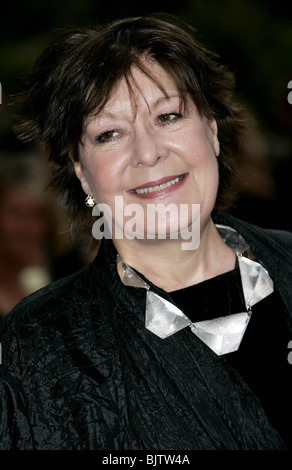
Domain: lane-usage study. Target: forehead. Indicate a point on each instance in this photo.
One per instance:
(146, 87)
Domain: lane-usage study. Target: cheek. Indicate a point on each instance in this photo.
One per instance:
(205, 170)
(195, 144)
(210, 182)
(200, 155)
(104, 180)
(209, 170)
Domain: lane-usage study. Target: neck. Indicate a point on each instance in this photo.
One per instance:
(166, 265)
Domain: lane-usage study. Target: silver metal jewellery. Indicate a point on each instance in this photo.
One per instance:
(223, 334)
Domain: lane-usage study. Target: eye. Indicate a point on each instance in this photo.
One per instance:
(167, 118)
(105, 137)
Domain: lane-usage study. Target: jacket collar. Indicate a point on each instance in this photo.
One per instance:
(272, 248)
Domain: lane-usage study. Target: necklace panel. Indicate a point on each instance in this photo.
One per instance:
(223, 334)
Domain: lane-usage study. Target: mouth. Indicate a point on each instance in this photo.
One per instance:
(153, 188)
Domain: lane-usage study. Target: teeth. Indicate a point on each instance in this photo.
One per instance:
(159, 187)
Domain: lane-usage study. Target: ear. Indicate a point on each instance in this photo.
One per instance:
(79, 171)
(216, 144)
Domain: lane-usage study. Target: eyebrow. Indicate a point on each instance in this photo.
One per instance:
(164, 98)
(104, 113)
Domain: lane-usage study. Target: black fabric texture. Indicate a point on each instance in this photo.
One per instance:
(80, 370)
(261, 359)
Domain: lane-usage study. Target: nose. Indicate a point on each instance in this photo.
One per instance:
(148, 148)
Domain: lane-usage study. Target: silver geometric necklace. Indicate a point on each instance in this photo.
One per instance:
(223, 334)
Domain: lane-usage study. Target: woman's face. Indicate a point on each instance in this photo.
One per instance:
(149, 151)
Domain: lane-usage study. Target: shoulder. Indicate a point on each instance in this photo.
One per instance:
(44, 308)
(282, 236)
(67, 305)
(265, 239)
(38, 336)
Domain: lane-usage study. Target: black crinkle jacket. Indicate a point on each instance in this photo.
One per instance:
(80, 370)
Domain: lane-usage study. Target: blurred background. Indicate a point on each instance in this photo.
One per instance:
(253, 37)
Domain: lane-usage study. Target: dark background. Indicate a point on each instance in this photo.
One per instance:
(253, 37)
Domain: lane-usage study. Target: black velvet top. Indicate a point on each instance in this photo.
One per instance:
(80, 370)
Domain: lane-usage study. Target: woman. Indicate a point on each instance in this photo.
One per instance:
(156, 344)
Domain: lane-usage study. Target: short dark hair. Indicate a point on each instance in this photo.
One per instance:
(75, 75)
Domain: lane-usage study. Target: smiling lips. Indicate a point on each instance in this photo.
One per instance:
(158, 188)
